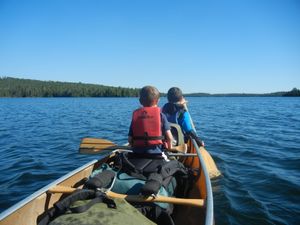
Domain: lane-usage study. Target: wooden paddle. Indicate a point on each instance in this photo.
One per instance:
(209, 162)
(97, 145)
(137, 198)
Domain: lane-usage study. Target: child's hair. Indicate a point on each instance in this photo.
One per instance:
(174, 95)
(149, 95)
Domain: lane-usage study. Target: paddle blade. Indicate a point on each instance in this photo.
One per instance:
(179, 148)
(95, 145)
(210, 164)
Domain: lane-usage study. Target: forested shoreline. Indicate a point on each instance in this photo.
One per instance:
(293, 93)
(17, 87)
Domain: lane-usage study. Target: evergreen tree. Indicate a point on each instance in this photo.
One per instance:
(293, 93)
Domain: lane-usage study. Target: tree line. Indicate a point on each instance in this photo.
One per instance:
(293, 93)
(15, 87)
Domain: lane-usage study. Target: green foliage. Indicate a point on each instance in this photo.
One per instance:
(274, 94)
(14, 87)
(293, 93)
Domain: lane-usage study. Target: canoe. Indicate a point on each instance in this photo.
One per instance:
(27, 211)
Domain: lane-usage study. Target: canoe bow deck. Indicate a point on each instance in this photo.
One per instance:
(31, 208)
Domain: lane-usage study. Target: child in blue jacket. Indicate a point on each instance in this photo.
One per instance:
(176, 112)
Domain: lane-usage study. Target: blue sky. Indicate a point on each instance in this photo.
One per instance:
(213, 46)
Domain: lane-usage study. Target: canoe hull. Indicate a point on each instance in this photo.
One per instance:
(29, 210)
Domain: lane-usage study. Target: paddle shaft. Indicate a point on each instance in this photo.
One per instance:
(97, 145)
(137, 198)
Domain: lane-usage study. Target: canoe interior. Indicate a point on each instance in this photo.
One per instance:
(34, 207)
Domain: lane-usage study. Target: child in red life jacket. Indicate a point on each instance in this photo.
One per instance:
(149, 129)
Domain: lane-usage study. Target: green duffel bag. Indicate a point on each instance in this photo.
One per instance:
(95, 211)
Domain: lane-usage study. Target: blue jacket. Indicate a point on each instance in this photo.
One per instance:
(177, 114)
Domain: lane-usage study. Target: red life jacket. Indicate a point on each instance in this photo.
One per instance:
(146, 127)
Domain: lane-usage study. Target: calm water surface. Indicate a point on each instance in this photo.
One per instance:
(254, 141)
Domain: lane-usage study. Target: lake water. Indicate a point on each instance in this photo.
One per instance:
(255, 142)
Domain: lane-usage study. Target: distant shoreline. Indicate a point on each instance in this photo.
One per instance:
(277, 94)
(16, 87)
